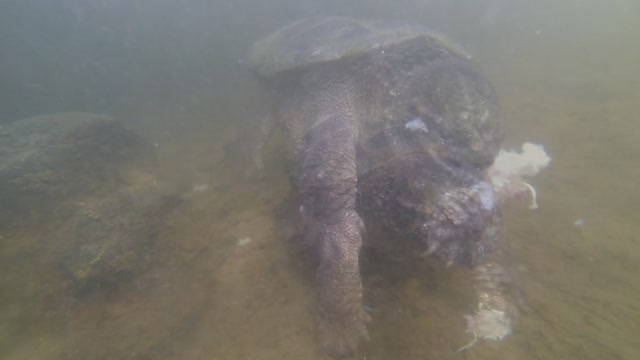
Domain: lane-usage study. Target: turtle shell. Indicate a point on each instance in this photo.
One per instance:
(316, 40)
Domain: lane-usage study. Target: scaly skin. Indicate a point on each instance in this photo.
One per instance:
(328, 186)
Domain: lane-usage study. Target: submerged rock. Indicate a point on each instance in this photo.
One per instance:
(112, 238)
(93, 182)
(50, 158)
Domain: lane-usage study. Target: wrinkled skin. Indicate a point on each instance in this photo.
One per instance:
(359, 164)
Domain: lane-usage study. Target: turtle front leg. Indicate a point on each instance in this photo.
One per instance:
(245, 153)
(332, 226)
(495, 310)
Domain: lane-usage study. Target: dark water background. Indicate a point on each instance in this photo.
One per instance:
(566, 72)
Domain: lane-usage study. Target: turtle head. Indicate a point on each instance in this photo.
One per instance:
(447, 135)
(453, 225)
(443, 206)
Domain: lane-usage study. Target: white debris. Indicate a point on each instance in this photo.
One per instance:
(416, 125)
(534, 195)
(510, 167)
(244, 241)
(578, 223)
(200, 187)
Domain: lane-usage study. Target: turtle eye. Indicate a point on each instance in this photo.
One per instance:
(418, 107)
(452, 163)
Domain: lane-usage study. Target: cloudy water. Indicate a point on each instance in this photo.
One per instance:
(132, 225)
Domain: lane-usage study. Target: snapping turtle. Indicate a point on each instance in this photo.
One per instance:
(393, 128)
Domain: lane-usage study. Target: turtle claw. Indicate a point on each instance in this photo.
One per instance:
(342, 339)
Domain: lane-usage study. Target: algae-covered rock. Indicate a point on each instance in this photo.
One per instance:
(112, 238)
(49, 158)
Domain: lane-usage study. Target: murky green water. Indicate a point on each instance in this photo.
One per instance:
(225, 280)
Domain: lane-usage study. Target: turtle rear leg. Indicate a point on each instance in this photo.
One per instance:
(332, 226)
